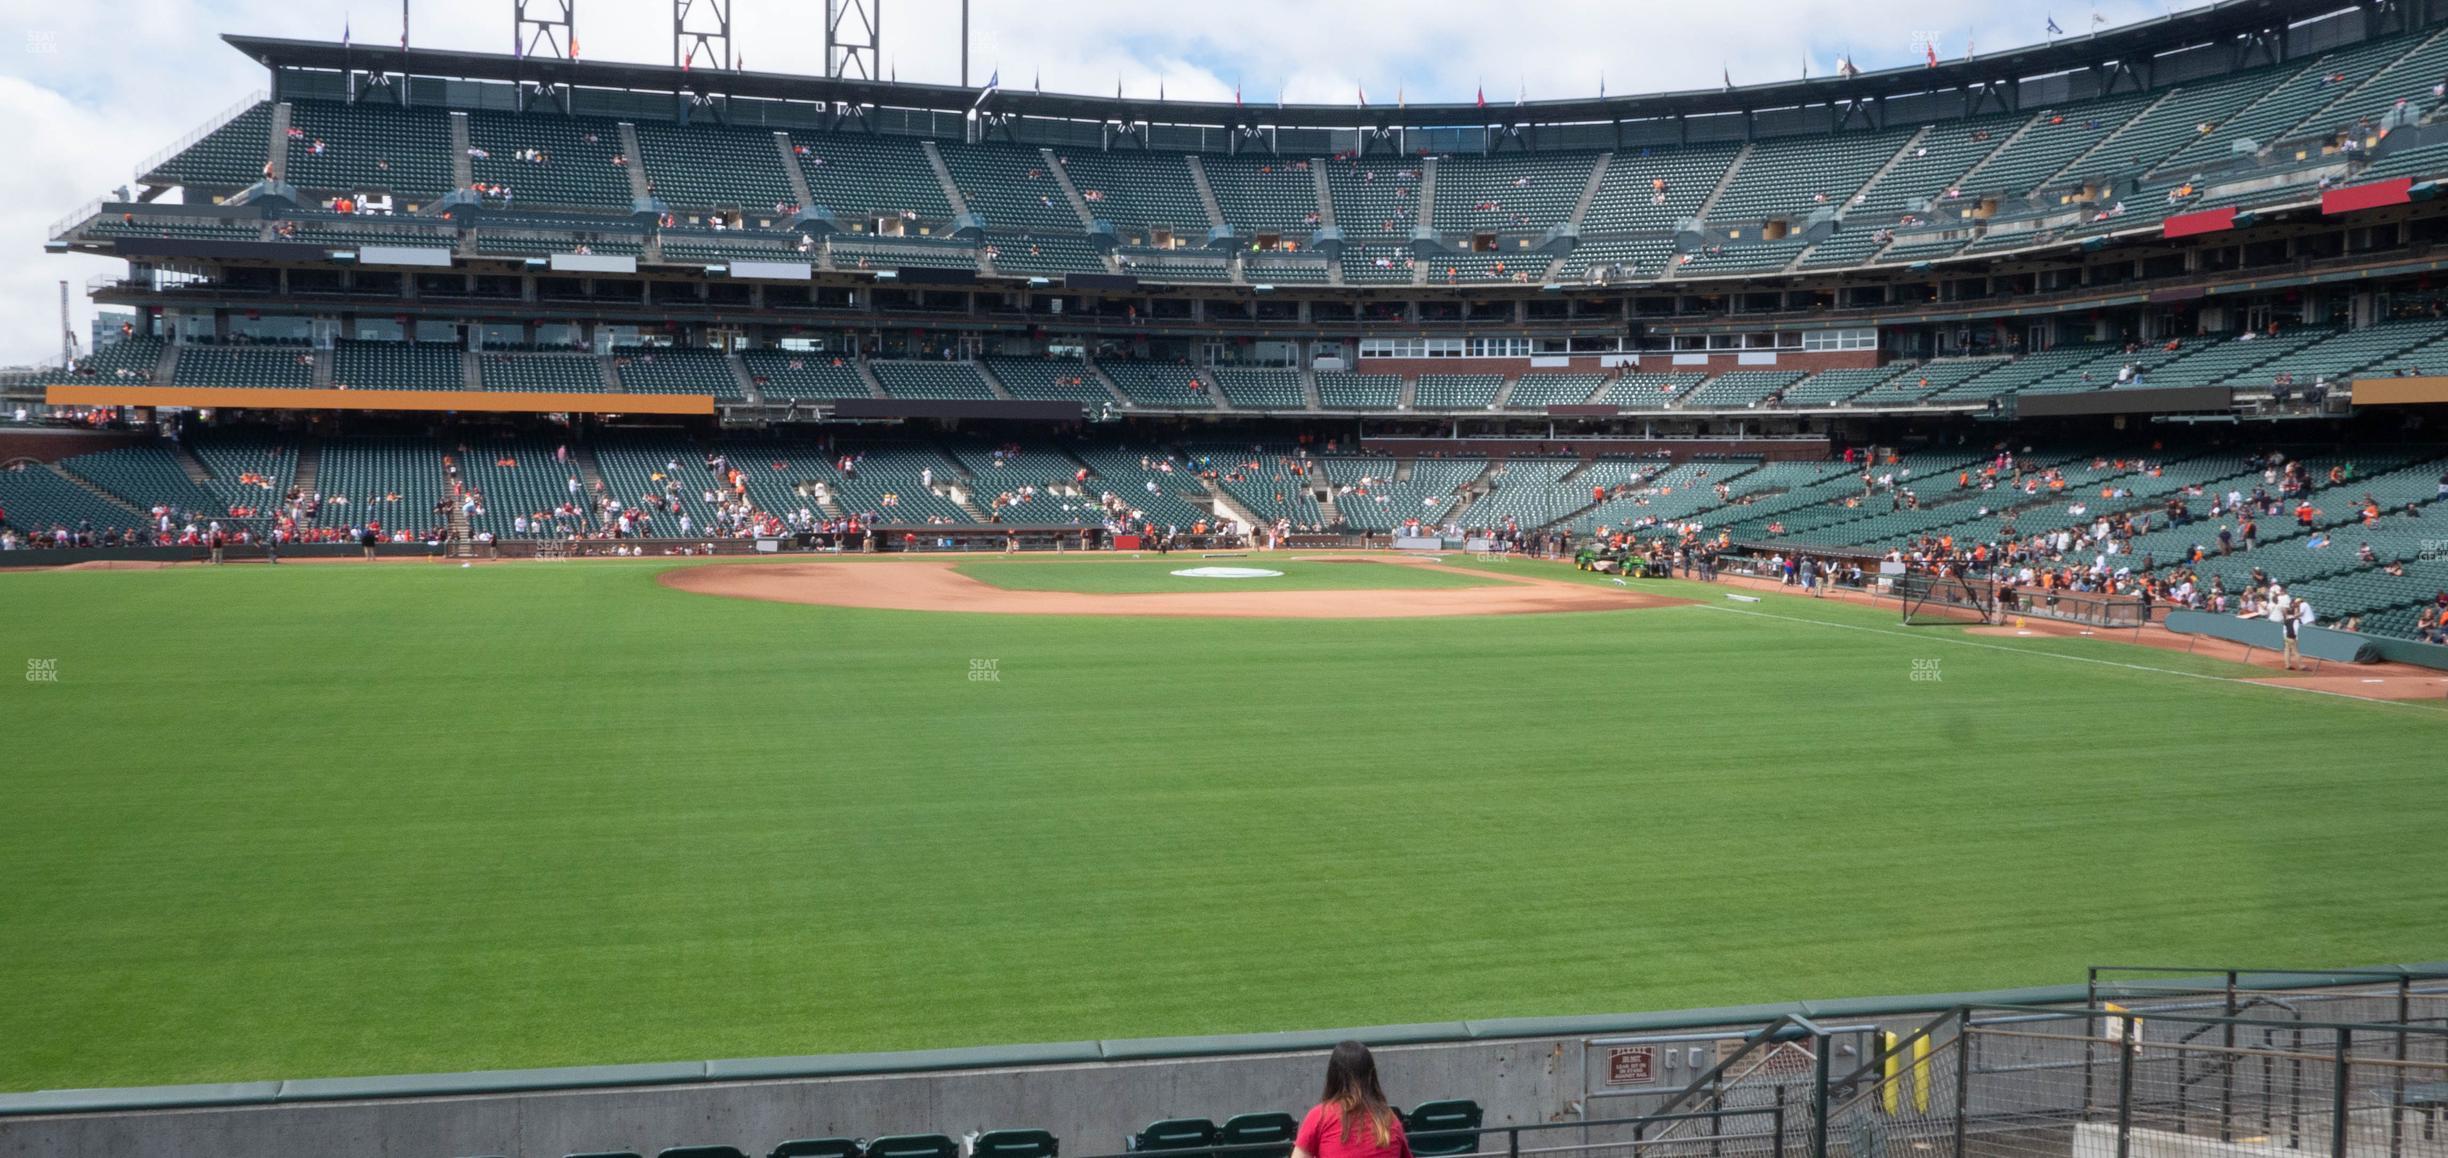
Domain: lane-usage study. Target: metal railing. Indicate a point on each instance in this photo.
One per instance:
(1766, 1133)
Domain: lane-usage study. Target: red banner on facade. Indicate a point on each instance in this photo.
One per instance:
(2394, 191)
(2206, 221)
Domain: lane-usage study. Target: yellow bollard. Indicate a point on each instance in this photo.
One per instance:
(1921, 1073)
(1891, 1096)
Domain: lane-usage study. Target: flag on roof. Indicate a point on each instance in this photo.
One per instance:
(1363, 91)
(1483, 94)
(1931, 47)
(344, 32)
(2053, 30)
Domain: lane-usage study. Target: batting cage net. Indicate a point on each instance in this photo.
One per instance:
(1925, 599)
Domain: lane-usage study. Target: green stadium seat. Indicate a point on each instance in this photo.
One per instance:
(818, 1148)
(700, 1152)
(914, 1146)
(1274, 1128)
(1443, 1127)
(1014, 1144)
(1173, 1134)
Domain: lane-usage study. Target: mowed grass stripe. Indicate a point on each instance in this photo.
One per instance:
(367, 820)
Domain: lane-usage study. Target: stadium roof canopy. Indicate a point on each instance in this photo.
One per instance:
(2226, 22)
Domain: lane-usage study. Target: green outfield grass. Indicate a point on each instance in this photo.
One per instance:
(324, 820)
(1103, 576)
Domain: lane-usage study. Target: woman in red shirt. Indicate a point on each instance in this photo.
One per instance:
(1351, 1119)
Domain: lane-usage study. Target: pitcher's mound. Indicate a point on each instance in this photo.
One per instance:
(932, 585)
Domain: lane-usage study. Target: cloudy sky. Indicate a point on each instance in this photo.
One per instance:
(90, 91)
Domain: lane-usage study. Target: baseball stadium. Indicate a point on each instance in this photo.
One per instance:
(579, 606)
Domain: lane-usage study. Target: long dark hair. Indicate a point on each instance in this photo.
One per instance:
(1351, 1088)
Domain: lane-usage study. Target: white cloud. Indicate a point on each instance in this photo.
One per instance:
(89, 91)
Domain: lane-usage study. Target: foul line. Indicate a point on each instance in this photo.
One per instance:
(2236, 681)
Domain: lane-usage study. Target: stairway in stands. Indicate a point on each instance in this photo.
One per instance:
(308, 475)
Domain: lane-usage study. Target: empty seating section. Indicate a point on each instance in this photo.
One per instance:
(184, 228)
(1152, 190)
(1043, 253)
(1260, 272)
(714, 247)
(1647, 391)
(890, 484)
(1851, 246)
(1378, 264)
(1738, 388)
(850, 253)
(790, 374)
(37, 500)
(1456, 391)
(540, 244)
(1926, 381)
(2407, 78)
(674, 370)
(1275, 195)
(1168, 385)
(545, 373)
(1655, 189)
(2023, 372)
(396, 482)
(1614, 260)
(1742, 255)
(544, 158)
(1829, 388)
(1011, 188)
(2217, 362)
(229, 157)
(130, 359)
(1338, 390)
(369, 148)
(1262, 389)
(860, 175)
(1175, 265)
(1793, 177)
(2289, 103)
(1927, 169)
(913, 379)
(350, 233)
(1907, 251)
(248, 471)
(1537, 390)
(1376, 199)
(1527, 493)
(253, 367)
(1517, 192)
(2052, 141)
(2177, 120)
(2347, 351)
(702, 167)
(1049, 379)
(149, 476)
(396, 366)
(1470, 268)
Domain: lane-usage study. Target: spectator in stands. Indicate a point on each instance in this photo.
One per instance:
(1352, 1118)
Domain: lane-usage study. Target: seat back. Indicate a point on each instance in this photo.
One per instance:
(1428, 1125)
(1014, 1144)
(700, 1152)
(913, 1146)
(1271, 1129)
(1175, 1134)
(818, 1148)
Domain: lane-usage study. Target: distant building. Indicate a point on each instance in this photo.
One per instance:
(106, 328)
